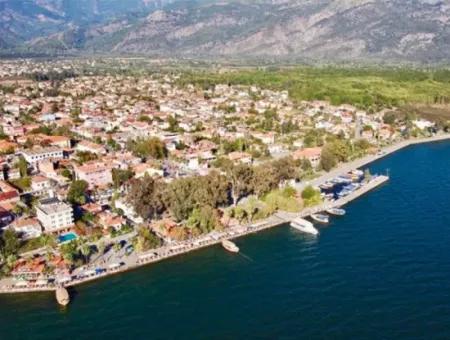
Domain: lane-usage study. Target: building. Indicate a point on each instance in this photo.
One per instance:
(27, 228)
(96, 174)
(40, 185)
(311, 154)
(54, 215)
(39, 155)
(8, 194)
(86, 146)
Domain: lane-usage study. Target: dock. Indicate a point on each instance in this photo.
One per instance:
(368, 186)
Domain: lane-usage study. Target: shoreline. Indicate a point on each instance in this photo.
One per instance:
(277, 219)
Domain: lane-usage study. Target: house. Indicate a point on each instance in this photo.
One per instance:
(128, 211)
(96, 174)
(57, 141)
(40, 185)
(107, 220)
(242, 157)
(54, 215)
(92, 208)
(27, 228)
(313, 155)
(8, 194)
(143, 169)
(86, 146)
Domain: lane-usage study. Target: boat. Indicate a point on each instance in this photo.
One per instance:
(62, 296)
(230, 246)
(327, 186)
(321, 218)
(336, 211)
(304, 226)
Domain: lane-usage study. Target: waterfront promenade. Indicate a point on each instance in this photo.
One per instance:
(136, 260)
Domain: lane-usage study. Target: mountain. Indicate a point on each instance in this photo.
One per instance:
(396, 30)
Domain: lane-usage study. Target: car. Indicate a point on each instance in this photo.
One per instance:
(129, 249)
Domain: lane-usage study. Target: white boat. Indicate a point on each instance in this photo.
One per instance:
(327, 186)
(304, 226)
(230, 246)
(321, 218)
(336, 211)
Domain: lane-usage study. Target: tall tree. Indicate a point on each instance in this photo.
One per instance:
(147, 197)
(77, 192)
(240, 177)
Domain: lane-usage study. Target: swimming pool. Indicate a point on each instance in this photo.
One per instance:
(67, 237)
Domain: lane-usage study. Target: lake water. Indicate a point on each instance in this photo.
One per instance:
(382, 271)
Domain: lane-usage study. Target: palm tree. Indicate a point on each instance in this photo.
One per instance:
(85, 250)
(48, 241)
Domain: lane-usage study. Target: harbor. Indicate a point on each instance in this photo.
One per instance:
(137, 260)
(352, 192)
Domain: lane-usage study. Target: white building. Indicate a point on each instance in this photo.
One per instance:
(54, 215)
(38, 155)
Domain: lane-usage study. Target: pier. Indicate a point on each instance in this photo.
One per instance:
(368, 186)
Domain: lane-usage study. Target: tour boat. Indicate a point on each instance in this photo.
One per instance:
(304, 226)
(321, 218)
(230, 246)
(336, 211)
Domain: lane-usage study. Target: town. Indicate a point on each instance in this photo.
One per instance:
(100, 169)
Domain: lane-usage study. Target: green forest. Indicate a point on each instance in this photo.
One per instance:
(368, 88)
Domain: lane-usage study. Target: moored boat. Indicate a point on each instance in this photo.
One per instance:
(321, 218)
(336, 211)
(230, 246)
(304, 226)
(62, 296)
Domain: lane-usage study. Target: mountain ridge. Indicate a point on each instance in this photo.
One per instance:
(397, 30)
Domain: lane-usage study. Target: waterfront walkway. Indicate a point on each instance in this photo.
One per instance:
(137, 260)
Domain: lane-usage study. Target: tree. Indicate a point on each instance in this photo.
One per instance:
(77, 192)
(211, 190)
(333, 152)
(205, 218)
(240, 178)
(265, 178)
(22, 165)
(328, 159)
(180, 197)
(311, 196)
(389, 118)
(152, 147)
(85, 250)
(120, 176)
(101, 247)
(85, 156)
(147, 197)
(69, 252)
(146, 240)
(10, 243)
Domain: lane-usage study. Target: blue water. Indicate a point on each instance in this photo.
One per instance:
(380, 272)
(67, 237)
